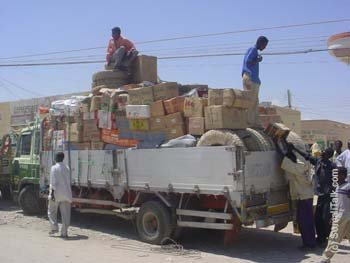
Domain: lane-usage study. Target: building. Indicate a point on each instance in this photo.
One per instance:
(16, 114)
(324, 132)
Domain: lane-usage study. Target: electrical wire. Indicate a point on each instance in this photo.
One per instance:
(20, 87)
(189, 37)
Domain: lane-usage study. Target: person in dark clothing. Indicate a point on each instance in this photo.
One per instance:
(323, 189)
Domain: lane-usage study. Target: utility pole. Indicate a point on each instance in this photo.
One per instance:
(289, 99)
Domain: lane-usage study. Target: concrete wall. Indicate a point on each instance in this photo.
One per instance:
(325, 130)
(5, 118)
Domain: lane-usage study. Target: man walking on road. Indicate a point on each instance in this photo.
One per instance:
(60, 196)
(250, 75)
(121, 52)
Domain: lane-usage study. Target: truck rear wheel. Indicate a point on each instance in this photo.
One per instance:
(153, 222)
(29, 201)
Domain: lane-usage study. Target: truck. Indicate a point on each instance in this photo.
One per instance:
(232, 179)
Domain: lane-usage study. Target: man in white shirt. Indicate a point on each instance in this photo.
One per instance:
(344, 158)
(338, 144)
(60, 196)
(341, 215)
(298, 174)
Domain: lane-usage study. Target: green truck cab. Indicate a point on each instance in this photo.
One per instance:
(25, 170)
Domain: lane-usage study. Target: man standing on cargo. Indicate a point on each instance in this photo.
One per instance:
(60, 196)
(250, 75)
(298, 174)
(121, 52)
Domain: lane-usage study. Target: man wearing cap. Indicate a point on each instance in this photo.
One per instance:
(250, 75)
(121, 52)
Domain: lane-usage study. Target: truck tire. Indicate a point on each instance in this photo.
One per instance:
(6, 193)
(296, 140)
(110, 74)
(253, 140)
(29, 201)
(153, 222)
(219, 138)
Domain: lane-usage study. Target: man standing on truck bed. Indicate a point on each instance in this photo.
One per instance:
(120, 52)
(250, 75)
(60, 195)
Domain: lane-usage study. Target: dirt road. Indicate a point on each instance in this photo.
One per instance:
(96, 238)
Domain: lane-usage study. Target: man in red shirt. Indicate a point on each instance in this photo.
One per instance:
(120, 52)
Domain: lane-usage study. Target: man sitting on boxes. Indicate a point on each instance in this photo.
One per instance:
(251, 81)
(121, 52)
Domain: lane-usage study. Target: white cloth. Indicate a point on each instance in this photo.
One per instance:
(65, 209)
(299, 177)
(343, 194)
(344, 159)
(60, 182)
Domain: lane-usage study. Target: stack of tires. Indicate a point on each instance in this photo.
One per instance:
(110, 79)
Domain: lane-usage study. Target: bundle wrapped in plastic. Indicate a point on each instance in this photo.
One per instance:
(183, 141)
(68, 107)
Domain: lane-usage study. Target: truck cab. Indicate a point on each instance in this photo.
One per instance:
(26, 169)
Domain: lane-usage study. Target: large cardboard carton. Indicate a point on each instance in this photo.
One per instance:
(90, 125)
(157, 108)
(74, 146)
(237, 98)
(196, 126)
(145, 69)
(174, 105)
(105, 119)
(215, 97)
(174, 119)
(194, 106)
(175, 131)
(122, 100)
(74, 132)
(112, 137)
(58, 138)
(220, 117)
(141, 96)
(158, 123)
(165, 91)
(139, 124)
(95, 103)
(138, 111)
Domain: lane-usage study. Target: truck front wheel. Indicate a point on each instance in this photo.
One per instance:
(153, 222)
(28, 200)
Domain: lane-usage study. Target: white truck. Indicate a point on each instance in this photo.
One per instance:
(215, 186)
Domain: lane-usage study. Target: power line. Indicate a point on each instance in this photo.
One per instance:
(190, 37)
(172, 57)
(9, 90)
(20, 87)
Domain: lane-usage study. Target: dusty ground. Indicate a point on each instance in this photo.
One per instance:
(96, 238)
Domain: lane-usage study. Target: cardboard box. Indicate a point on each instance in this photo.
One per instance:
(158, 123)
(122, 123)
(174, 119)
(215, 97)
(122, 100)
(174, 105)
(267, 119)
(112, 137)
(90, 126)
(175, 131)
(145, 69)
(165, 91)
(95, 103)
(196, 126)
(194, 106)
(138, 111)
(157, 108)
(237, 98)
(104, 119)
(74, 132)
(91, 115)
(141, 96)
(85, 107)
(139, 124)
(58, 138)
(97, 145)
(220, 117)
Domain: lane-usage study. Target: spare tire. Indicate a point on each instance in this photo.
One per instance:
(110, 74)
(296, 140)
(220, 138)
(253, 140)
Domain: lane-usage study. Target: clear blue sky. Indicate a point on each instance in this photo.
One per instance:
(318, 82)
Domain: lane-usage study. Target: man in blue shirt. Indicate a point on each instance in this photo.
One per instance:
(250, 75)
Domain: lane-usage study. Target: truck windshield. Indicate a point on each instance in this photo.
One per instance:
(25, 144)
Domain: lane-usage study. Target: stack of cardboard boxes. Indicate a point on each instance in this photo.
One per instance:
(268, 115)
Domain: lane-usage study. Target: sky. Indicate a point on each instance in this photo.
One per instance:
(319, 83)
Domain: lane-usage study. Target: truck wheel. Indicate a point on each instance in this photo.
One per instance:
(28, 200)
(153, 222)
(6, 193)
(219, 138)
